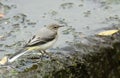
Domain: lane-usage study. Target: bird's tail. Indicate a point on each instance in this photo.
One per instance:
(20, 53)
(13, 57)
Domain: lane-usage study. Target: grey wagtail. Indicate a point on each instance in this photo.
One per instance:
(42, 40)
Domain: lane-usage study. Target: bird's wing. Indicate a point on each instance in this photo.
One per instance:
(39, 40)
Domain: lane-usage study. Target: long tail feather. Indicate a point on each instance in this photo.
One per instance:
(17, 54)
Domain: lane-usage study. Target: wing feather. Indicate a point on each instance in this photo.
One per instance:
(35, 41)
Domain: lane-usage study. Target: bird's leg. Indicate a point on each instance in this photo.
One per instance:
(45, 52)
(49, 55)
(42, 53)
(52, 58)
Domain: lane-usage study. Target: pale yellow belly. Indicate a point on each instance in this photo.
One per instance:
(47, 45)
(44, 46)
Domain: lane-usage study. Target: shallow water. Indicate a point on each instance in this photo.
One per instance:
(85, 16)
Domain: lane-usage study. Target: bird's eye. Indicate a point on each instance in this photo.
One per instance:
(55, 27)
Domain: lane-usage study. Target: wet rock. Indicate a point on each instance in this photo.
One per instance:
(96, 57)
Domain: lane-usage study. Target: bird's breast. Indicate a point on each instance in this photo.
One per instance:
(48, 44)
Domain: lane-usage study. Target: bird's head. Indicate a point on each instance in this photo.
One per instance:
(54, 27)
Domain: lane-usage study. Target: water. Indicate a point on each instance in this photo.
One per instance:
(85, 16)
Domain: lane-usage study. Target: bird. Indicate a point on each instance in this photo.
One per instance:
(44, 39)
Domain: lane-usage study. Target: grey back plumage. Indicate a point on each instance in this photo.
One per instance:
(43, 36)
